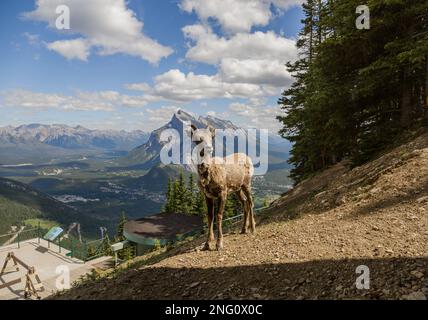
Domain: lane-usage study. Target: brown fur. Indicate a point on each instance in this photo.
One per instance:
(220, 176)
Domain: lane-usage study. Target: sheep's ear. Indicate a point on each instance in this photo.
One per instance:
(212, 130)
(193, 127)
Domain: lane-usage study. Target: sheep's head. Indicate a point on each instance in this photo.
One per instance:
(203, 137)
(203, 171)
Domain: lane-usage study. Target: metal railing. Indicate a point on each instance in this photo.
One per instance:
(20, 236)
(235, 219)
(95, 249)
(86, 251)
(72, 248)
(231, 221)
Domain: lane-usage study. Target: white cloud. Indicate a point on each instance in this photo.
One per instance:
(138, 86)
(159, 116)
(175, 85)
(256, 116)
(28, 99)
(178, 86)
(237, 15)
(249, 65)
(257, 58)
(108, 26)
(71, 49)
(211, 49)
(256, 71)
(153, 118)
(80, 101)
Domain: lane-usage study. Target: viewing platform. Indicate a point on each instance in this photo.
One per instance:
(46, 258)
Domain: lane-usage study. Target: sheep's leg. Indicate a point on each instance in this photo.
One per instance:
(221, 207)
(247, 191)
(210, 206)
(244, 203)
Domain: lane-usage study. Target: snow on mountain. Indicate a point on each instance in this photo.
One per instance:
(148, 154)
(67, 137)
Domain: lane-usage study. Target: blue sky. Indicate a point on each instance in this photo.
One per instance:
(130, 64)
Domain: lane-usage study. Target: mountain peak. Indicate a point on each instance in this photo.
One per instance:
(30, 126)
(218, 123)
(183, 116)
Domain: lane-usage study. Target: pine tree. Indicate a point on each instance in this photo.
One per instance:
(176, 203)
(90, 252)
(122, 221)
(128, 252)
(191, 196)
(169, 205)
(179, 197)
(200, 204)
(182, 194)
(233, 206)
(355, 91)
(105, 246)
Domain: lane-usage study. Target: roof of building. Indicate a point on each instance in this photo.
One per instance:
(162, 228)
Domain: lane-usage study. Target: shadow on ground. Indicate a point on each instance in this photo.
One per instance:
(391, 201)
(323, 279)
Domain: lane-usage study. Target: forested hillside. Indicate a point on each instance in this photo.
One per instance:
(356, 91)
(20, 202)
(185, 197)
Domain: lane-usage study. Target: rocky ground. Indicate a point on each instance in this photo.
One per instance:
(309, 244)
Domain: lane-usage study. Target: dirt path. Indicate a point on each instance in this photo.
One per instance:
(380, 222)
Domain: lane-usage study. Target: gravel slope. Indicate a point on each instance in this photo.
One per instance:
(308, 244)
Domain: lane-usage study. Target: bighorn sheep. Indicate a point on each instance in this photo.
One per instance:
(220, 176)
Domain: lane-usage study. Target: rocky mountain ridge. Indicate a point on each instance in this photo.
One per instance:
(63, 136)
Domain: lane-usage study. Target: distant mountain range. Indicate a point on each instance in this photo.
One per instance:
(121, 170)
(36, 143)
(147, 155)
(66, 137)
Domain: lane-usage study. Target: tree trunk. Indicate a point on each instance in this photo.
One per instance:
(320, 30)
(311, 36)
(406, 102)
(426, 83)
(426, 92)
